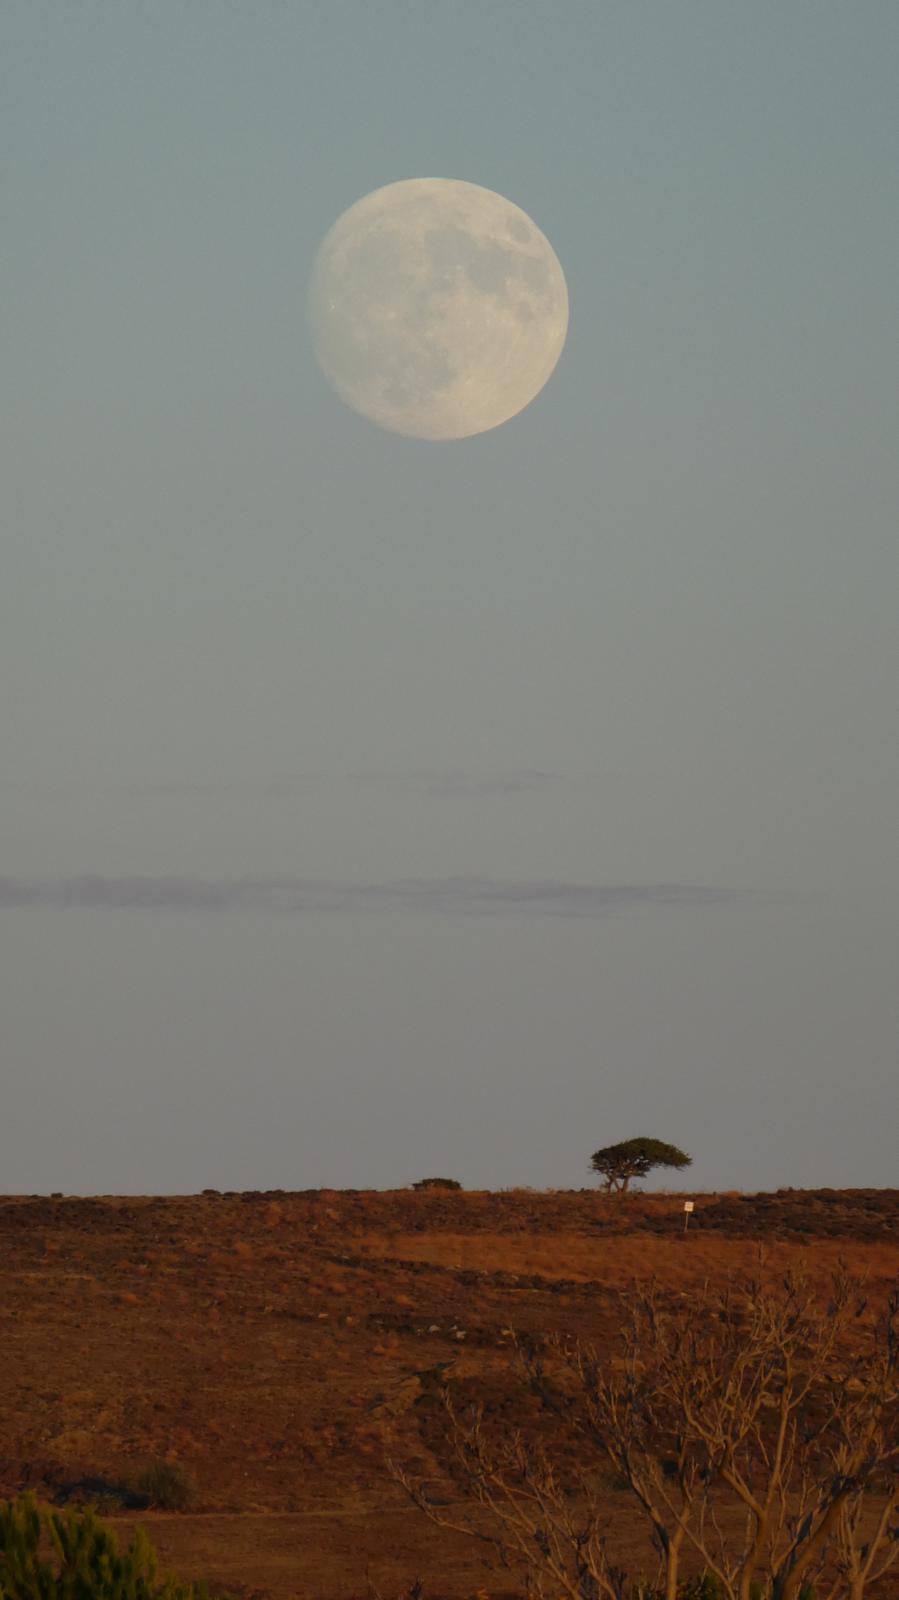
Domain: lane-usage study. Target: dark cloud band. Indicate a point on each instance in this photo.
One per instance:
(443, 896)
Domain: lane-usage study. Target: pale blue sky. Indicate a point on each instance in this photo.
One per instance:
(643, 635)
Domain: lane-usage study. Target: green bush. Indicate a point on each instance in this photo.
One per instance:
(85, 1562)
(437, 1183)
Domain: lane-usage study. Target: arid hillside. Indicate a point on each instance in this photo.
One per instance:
(279, 1345)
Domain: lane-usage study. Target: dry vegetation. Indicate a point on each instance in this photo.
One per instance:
(277, 1347)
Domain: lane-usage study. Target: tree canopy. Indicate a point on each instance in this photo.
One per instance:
(634, 1158)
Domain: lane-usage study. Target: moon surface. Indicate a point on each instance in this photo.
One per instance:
(437, 308)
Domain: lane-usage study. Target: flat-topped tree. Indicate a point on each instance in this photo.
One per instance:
(634, 1158)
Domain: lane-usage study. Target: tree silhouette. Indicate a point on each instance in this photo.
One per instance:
(634, 1158)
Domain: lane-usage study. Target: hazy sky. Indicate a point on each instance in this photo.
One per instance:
(371, 808)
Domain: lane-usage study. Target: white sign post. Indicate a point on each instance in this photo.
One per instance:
(688, 1207)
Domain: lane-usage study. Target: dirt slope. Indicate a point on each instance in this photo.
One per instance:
(277, 1345)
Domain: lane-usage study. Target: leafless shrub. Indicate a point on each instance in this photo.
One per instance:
(757, 1433)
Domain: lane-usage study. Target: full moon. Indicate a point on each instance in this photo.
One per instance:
(437, 308)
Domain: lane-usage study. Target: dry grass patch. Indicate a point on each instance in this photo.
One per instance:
(677, 1262)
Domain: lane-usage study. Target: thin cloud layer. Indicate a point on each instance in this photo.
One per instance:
(428, 783)
(454, 782)
(441, 896)
(425, 782)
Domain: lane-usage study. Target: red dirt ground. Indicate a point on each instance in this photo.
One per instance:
(279, 1345)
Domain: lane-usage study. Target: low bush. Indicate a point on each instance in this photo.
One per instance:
(166, 1486)
(437, 1183)
(103, 1495)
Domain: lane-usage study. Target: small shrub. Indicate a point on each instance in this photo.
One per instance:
(166, 1485)
(437, 1183)
(103, 1495)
